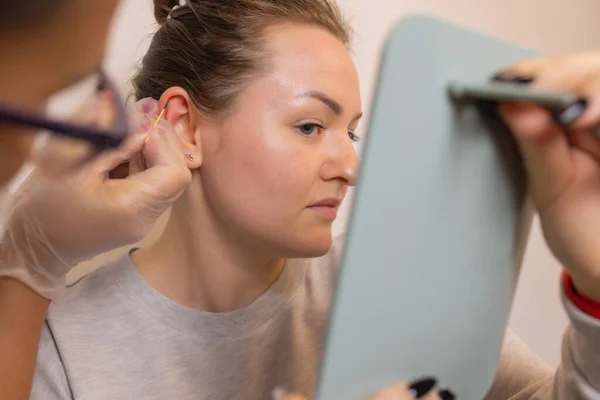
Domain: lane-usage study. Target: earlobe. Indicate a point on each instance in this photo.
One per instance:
(189, 156)
(193, 160)
(182, 116)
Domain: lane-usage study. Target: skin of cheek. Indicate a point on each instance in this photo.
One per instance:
(262, 177)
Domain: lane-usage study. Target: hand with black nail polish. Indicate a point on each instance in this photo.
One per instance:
(561, 153)
(422, 388)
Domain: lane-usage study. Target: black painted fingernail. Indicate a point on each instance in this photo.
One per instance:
(420, 387)
(446, 394)
(510, 78)
(572, 112)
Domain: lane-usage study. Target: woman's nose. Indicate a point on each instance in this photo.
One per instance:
(342, 162)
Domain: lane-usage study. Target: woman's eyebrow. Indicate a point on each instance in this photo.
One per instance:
(332, 104)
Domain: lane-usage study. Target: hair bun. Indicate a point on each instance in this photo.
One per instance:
(162, 9)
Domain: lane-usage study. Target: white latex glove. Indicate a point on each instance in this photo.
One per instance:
(70, 211)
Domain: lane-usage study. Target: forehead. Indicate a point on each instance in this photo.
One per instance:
(305, 58)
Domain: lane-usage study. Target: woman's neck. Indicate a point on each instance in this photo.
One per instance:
(198, 263)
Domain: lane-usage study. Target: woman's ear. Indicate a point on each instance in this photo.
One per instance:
(183, 116)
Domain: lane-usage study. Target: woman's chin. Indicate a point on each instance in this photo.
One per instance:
(310, 246)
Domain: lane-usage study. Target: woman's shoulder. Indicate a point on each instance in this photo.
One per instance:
(93, 292)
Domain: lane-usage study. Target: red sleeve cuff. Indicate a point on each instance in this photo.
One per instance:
(585, 304)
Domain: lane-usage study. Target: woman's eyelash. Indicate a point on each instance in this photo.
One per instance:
(309, 128)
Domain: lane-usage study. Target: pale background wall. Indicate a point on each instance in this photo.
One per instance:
(551, 26)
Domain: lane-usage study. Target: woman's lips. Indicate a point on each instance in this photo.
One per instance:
(327, 208)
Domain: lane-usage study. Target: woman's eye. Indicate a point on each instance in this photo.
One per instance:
(353, 136)
(309, 129)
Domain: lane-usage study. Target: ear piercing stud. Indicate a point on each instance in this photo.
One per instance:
(189, 156)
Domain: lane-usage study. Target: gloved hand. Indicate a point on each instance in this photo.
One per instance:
(64, 215)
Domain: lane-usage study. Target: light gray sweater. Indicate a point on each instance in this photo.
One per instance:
(112, 336)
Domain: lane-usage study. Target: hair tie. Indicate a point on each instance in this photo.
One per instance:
(182, 3)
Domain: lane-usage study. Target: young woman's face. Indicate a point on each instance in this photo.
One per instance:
(278, 167)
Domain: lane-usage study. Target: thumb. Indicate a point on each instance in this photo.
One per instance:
(162, 146)
(280, 393)
(545, 150)
(419, 389)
